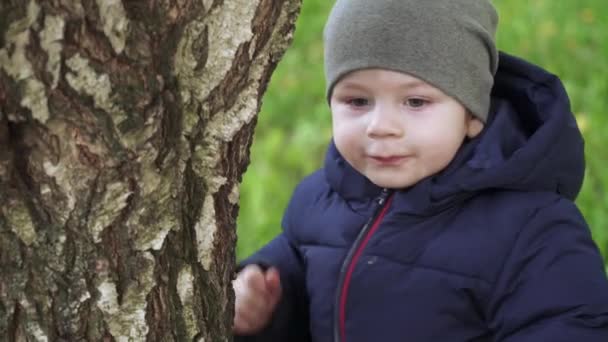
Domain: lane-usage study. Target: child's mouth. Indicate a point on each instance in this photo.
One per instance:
(388, 160)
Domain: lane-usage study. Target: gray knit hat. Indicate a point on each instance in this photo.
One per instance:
(447, 43)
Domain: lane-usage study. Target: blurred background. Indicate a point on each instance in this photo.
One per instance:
(567, 37)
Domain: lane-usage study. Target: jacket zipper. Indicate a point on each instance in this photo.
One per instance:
(348, 266)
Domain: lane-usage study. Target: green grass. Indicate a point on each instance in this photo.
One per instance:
(569, 38)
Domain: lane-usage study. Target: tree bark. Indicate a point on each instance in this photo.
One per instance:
(125, 128)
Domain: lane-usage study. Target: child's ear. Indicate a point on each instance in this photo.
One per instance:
(474, 126)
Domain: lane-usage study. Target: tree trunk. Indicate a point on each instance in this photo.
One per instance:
(125, 128)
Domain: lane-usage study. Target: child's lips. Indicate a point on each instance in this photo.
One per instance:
(389, 160)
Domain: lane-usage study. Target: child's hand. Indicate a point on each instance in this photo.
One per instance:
(256, 296)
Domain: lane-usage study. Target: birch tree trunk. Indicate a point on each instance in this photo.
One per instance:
(125, 127)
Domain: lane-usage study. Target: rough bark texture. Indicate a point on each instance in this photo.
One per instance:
(124, 130)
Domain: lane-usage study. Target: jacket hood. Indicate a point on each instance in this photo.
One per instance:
(531, 142)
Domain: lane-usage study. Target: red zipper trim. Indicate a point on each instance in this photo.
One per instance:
(352, 265)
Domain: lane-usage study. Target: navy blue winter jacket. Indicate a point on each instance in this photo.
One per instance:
(490, 249)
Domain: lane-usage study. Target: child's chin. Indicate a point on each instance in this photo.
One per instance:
(391, 182)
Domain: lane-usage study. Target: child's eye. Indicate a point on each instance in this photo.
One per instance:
(416, 102)
(358, 102)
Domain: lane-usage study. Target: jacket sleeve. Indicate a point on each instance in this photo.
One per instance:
(553, 286)
(290, 319)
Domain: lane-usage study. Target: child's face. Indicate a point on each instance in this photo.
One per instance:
(396, 129)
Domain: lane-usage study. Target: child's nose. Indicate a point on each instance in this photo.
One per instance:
(384, 122)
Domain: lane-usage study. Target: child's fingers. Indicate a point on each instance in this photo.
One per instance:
(266, 285)
(252, 313)
(250, 293)
(273, 281)
(253, 277)
(273, 285)
(247, 322)
(254, 302)
(244, 322)
(240, 324)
